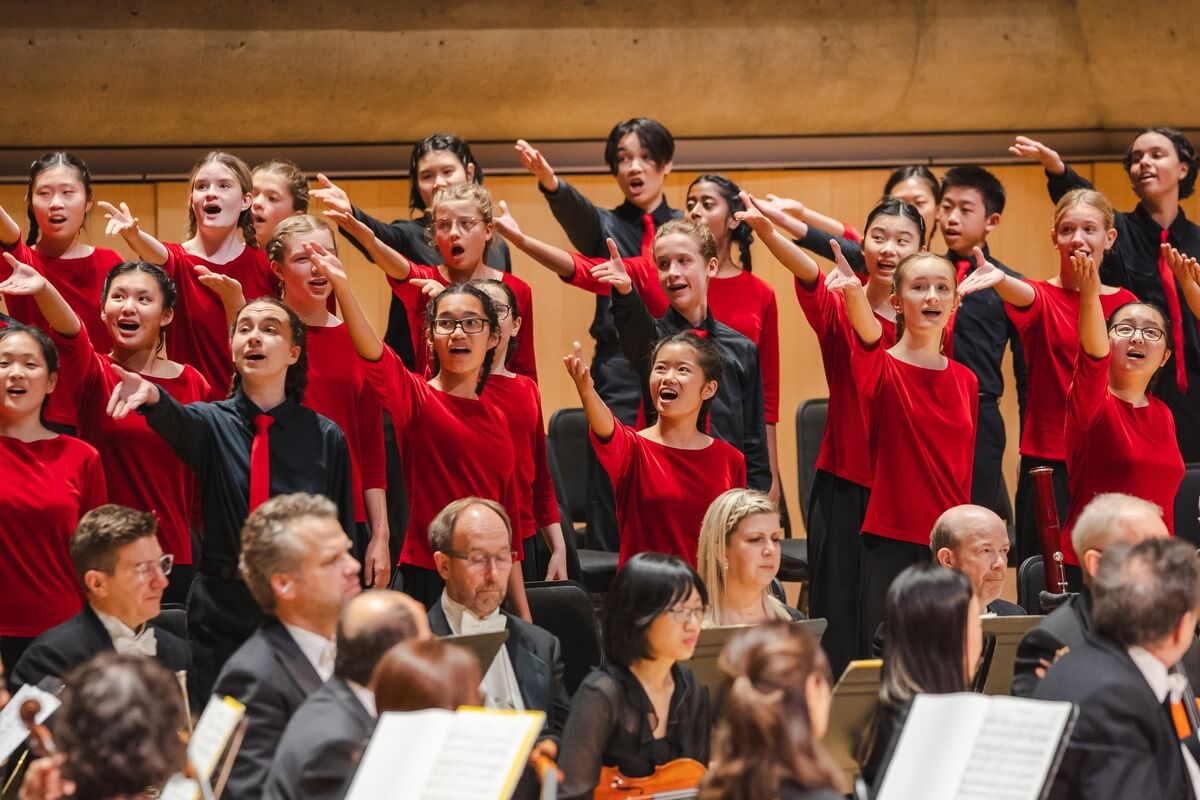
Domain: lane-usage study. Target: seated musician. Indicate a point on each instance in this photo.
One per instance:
(933, 646)
(124, 572)
(776, 709)
(1107, 520)
(1124, 743)
(640, 709)
(738, 558)
(426, 673)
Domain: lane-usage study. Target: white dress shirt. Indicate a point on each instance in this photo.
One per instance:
(316, 648)
(499, 688)
(125, 639)
(365, 696)
(1163, 683)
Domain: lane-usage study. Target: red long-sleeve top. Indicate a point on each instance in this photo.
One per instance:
(49, 485)
(1114, 446)
(450, 446)
(746, 303)
(523, 360)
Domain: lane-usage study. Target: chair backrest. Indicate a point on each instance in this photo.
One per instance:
(172, 618)
(810, 430)
(564, 609)
(567, 450)
(1031, 582)
(1187, 526)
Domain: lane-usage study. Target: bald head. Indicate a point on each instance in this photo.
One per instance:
(974, 541)
(370, 625)
(1111, 518)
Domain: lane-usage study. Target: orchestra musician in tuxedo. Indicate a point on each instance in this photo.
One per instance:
(296, 562)
(1107, 520)
(1124, 744)
(123, 571)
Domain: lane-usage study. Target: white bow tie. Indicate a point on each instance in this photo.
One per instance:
(142, 644)
(470, 624)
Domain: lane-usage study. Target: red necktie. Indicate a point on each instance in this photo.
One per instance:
(648, 236)
(964, 267)
(260, 461)
(1172, 297)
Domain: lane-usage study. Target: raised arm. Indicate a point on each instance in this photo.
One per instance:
(10, 231)
(1060, 178)
(783, 211)
(227, 287)
(577, 215)
(392, 263)
(599, 418)
(366, 340)
(1093, 333)
(553, 258)
(122, 222)
(28, 282)
(786, 252)
(858, 308)
(536, 164)
(1187, 272)
(987, 275)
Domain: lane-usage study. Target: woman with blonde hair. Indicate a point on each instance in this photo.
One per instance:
(738, 558)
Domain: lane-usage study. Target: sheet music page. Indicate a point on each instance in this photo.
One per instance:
(221, 716)
(12, 731)
(445, 755)
(975, 747)
(1014, 748)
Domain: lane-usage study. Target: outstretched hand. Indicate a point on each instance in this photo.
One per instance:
(534, 162)
(578, 369)
(332, 195)
(754, 216)
(351, 226)
(25, 280)
(506, 223)
(1024, 147)
(986, 276)
(228, 288)
(842, 276)
(613, 271)
(1185, 268)
(130, 394)
(121, 221)
(326, 263)
(428, 287)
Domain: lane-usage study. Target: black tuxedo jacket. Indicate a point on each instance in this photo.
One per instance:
(1066, 626)
(1124, 744)
(320, 746)
(64, 647)
(271, 676)
(537, 661)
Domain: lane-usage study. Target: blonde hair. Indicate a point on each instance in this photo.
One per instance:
(903, 266)
(290, 226)
(270, 545)
(720, 521)
(465, 192)
(1085, 197)
(700, 234)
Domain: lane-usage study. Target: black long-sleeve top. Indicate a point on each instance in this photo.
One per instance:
(737, 415)
(981, 326)
(611, 724)
(588, 227)
(408, 238)
(308, 454)
(1133, 264)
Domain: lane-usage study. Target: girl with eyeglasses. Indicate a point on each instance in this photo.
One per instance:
(461, 227)
(640, 708)
(137, 306)
(1119, 436)
(1045, 315)
(453, 442)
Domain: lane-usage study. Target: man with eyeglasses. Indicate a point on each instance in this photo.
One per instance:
(124, 572)
(472, 548)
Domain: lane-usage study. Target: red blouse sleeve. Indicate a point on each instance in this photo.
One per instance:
(1025, 318)
(401, 392)
(368, 418)
(820, 308)
(641, 272)
(615, 455)
(77, 359)
(1088, 390)
(768, 357)
(545, 500)
(524, 361)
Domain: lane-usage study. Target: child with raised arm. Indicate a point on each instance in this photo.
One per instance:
(1045, 314)
(221, 244)
(920, 410)
(1161, 164)
(664, 476)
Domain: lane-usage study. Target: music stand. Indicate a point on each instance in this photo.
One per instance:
(1001, 637)
(854, 699)
(484, 646)
(712, 641)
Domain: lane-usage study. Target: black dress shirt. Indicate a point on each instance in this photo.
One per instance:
(610, 724)
(736, 414)
(1133, 264)
(408, 238)
(308, 454)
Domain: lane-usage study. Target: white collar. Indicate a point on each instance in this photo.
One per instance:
(364, 695)
(1162, 682)
(456, 612)
(116, 628)
(316, 648)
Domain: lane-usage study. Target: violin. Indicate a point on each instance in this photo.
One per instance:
(41, 743)
(674, 780)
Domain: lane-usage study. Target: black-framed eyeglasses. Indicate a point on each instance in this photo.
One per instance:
(1150, 333)
(469, 325)
(477, 561)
